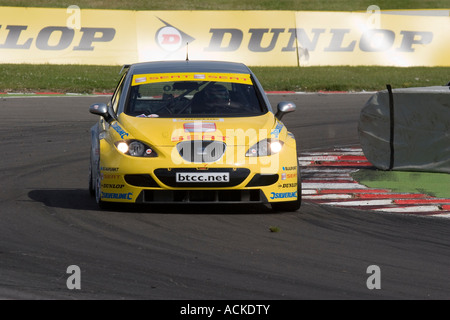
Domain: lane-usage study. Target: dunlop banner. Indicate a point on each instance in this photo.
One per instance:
(256, 38)
(340, 38)
(251, 37)
(67, 36)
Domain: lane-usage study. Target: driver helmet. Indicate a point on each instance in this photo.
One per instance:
(217, 94)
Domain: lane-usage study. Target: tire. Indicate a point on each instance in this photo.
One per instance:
(91, 180)
(291, 206)
(98, 190)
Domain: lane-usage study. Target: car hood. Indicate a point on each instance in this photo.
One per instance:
(232, 131)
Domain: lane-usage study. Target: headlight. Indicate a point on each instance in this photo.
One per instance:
(135, 148)
(122, 147)
(265, 147)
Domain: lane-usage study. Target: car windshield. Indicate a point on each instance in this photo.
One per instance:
(193, 94)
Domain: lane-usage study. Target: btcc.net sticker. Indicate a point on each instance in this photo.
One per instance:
(202, 177)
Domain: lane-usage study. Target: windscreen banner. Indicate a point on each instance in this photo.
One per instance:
(257, 38)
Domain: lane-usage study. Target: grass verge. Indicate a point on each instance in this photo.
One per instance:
(434, 184)
(89, 79)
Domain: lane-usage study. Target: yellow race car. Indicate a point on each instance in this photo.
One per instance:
(193, 132)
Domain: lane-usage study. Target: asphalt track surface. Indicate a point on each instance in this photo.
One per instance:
(49, 222)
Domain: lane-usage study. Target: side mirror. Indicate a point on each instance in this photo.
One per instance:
(100, 109)
(285, 107)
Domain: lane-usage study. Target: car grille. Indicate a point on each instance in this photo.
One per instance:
(141, 180)
(260, 180)
(201, 151)
(201, 196)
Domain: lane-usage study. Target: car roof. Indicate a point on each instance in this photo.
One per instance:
(189, 66)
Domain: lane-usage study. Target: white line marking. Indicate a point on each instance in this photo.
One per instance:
(441, 215)
(330, 196)
(328, 170)
(348, 149)
(333, 186)
(410, 209)
(348, 153)
(319, 158)
(328, 178)
(310, 191)
(361, 203)
(327, 175)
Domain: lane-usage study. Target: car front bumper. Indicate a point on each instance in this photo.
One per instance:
(154, 180)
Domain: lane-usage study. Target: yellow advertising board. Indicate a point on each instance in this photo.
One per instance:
(67, 36)
(345, 38)
(252, 37)
(256, 38)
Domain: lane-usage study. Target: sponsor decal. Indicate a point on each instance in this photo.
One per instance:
(170, 38)
(289, 168)
(112, 186)
(285, 175)
(199, 127)
(64, 35)
(153, 115)
(194, 119)
(283, 195)
(203, 177)
(140, 80)
(119, 130)
(118, 196)
(287, 185)
(198, 137)
(109, 169)
(110, 176)
(276, 132)
(339, 39)
(315, 38)
(191, 76)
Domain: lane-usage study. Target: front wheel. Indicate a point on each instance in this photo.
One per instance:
(91, 180)
(97, 188)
